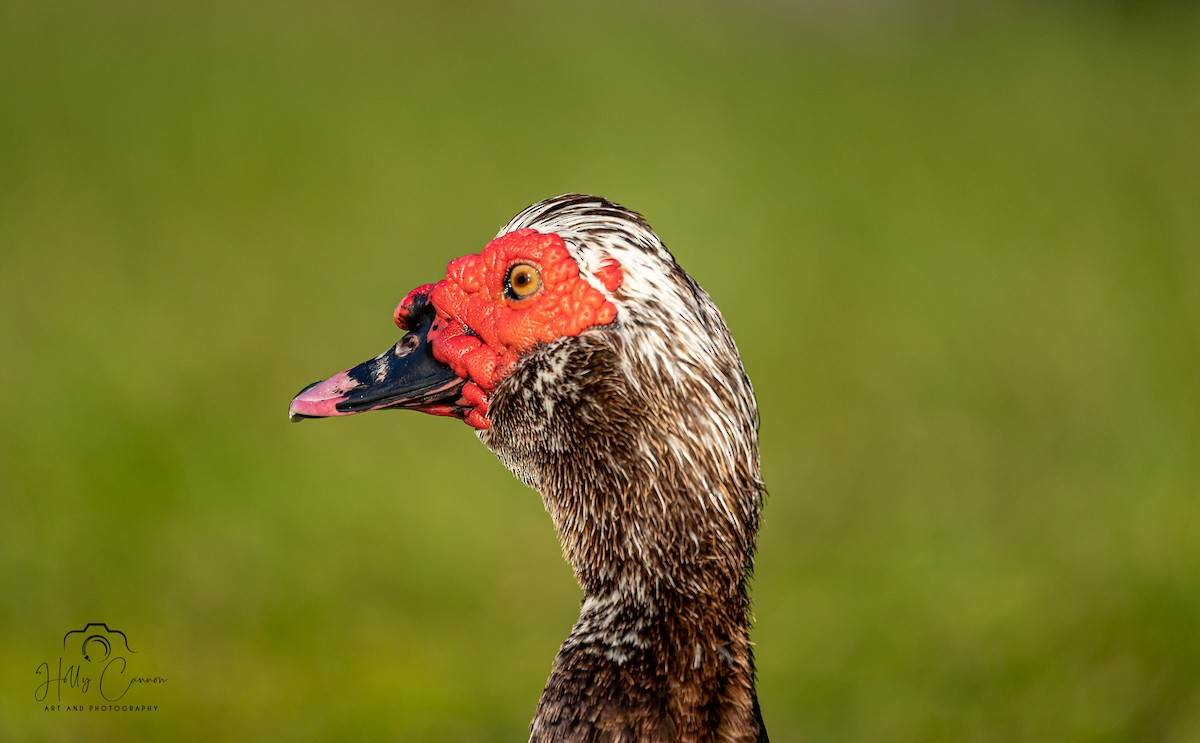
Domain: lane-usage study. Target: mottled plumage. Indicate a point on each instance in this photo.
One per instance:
(642, 437)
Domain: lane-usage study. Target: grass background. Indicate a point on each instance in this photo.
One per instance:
(959, 247)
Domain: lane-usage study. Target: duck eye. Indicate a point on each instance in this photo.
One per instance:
(523, 280)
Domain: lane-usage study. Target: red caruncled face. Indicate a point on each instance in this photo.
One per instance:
(522, 289)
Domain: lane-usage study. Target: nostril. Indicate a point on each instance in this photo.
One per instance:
(407, 345)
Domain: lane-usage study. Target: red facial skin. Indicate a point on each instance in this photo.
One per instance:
(480, 332)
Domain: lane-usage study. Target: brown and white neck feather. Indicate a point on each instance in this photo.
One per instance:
(642, 439)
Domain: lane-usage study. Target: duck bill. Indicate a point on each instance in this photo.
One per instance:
(404, 376)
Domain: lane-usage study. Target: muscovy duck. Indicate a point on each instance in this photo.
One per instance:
(606, 379)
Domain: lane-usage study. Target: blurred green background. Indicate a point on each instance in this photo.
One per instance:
(959, 246)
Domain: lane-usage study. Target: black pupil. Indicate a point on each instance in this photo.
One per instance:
(521, 278)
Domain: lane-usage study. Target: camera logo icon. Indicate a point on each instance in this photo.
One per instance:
(96, 643)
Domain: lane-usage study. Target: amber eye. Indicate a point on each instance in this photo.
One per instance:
(523, 280)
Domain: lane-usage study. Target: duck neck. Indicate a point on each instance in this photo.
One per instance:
(665, 666)
(690, 632)
(656, 501)
(661, 648)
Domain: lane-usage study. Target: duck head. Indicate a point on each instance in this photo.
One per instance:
(567, 273)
